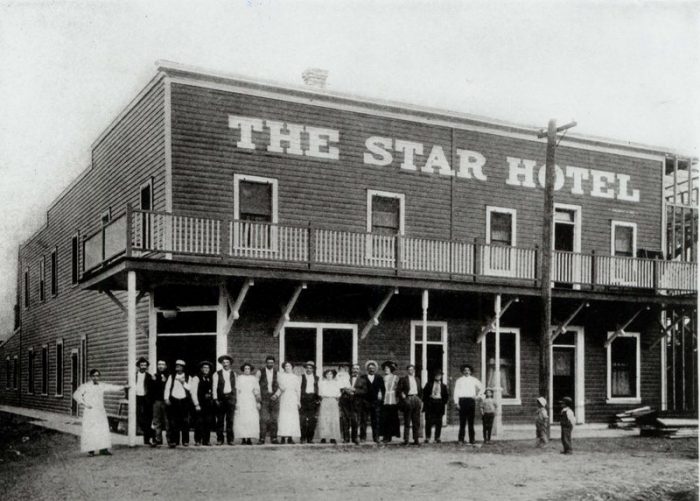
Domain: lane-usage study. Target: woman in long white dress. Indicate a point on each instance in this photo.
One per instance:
(246, 418)
(95, 435)
(329, 414)
(290, 394)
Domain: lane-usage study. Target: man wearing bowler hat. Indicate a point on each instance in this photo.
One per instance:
(309, 402)
(224, 395)
(144, 402)
(203, 401)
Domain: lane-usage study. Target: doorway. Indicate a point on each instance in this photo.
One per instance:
(567, 375)
(435, 346)
(326, 344)
(190, 348)
(74, 375)
(566, 242)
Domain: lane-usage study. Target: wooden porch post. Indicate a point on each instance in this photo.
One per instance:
(221, 322)
(498, 421)
(131, 353)
(424, 351)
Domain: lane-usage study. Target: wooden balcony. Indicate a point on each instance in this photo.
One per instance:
(156, 235)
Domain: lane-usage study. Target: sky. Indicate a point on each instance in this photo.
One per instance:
(623, 70)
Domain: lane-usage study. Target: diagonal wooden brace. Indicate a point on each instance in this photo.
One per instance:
(236, 306)
(116, 301)
(375, 316)
(664, 330)
(288, 309)
(492, 320)
(561, 329)
(621, 330)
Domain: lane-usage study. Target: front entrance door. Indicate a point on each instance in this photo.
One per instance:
(327, 345)
(563, 376)
(192, 349)
(74, 374)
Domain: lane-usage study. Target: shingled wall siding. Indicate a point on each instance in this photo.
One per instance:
(334, 193)
(130, 154)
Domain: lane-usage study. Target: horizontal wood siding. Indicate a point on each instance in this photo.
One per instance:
(10, 348)
(328, 192)
(129, 155)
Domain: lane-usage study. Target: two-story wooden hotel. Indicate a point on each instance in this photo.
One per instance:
(225, 215)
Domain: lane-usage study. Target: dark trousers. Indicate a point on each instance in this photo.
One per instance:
(160, 421)
(144, 417)
(204, 423)
(391, 427)
(362, 411)
(566, 430)
(224, 416)
(487, 422)
(411, 417)
(269, 411)
(178, 417)
(374, 412)
(349, 419)
(307, 416)
(433, 419)
(466, 414)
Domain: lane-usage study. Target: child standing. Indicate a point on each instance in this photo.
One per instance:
(542, 422)
(488, 413)
(567, 421)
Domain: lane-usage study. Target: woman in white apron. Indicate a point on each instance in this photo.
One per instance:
(246, 421)
(95, 435)
(290, 394)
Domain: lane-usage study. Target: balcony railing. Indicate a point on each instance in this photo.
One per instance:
(143, 233)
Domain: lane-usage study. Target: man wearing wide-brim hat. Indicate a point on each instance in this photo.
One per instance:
(202, 398)
(144, 400)
(224, 396)
(178, 400)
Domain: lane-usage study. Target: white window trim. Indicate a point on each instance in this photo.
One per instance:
(48, 365)
(577, 223)
(237, 178)
(31, 371)
(416, 330)
(624, 400)
(387, 194)
(63, 368)
(613, 225)
(516, 331)
(513, 222)
(319, 326)
(580, 382)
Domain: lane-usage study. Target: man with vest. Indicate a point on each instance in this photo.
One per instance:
(309, 403)
(144, 406)
(203, 400)
(224, 385)
(269, 400)
(178, 400)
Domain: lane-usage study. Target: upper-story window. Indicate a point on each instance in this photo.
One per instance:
(500, 226)
(255, 211)
(26, 287)
(385, 212)
(146, 204)
(42, 279)
(74, 259)
(54, 272)
(624, 239)
(106, 216)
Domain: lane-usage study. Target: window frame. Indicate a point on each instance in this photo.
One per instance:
(626, 224)
(54, 272)
(42, 279)
(235, 238)
(490, 209)
(637, 399)
(83, 358)
(514, 330)
(146, 184)
(75, 259)
(27, 290)
(59, 374)
(31, 371)
(8, 372)
(387, 194)
(106, 216)
(45, 370)
(15, 373)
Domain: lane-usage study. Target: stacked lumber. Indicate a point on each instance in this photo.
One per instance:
(633, 418)
(676, 428)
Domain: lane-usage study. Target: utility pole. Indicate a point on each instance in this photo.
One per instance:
(546, 271)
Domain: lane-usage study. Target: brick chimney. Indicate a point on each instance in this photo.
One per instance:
(315, 77)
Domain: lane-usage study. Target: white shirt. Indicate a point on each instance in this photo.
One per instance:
(140, 384)
(178, 385)
(467, 387)
(227, 380)
(310, 384)
(412, 385)
(270, 373)
(370, 377)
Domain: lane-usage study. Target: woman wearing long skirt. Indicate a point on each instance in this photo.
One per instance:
(391, 427)
(329, 414)
(246, 420)
(288, 425)
(95, 433)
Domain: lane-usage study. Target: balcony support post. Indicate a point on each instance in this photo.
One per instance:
(491, 322)
(425, 299)
(131, 353)
(377, 313)
(561, 329)
(621, 329)
(288, 309)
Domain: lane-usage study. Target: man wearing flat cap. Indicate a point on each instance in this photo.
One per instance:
(178, 399)
(309, 403)
(373, 400)
(144, 402)
(224, 396)
(203, 401)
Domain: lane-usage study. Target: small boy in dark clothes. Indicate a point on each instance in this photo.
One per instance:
(542, 422)
(488, 413)
(567, 421)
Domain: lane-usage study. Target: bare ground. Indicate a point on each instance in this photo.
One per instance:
(40, 464)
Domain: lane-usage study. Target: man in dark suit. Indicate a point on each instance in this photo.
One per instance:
(144, 402)
(352, 402)
(408, 390)
(373, 400)
(224, 393)
(309, 403)
(269, 400)
(435, 397)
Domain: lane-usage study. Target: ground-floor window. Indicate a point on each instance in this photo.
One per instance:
(508, 340)
(327, 345)
(8, 373)
(15, 373)
(30, 371)
(623, 367)
(44, 370)
(59, 368)
(83, 359)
